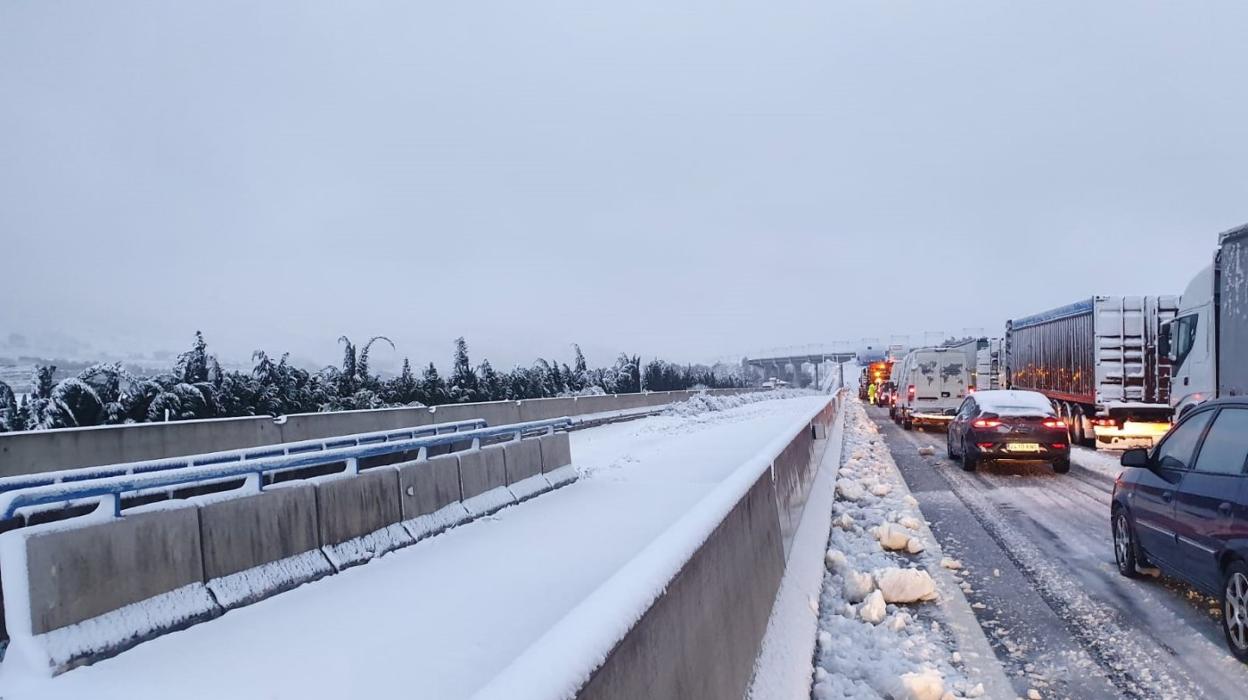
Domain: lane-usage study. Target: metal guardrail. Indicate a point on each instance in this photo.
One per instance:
(13, 483)
(114, 487)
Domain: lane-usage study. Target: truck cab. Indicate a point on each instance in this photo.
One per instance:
(1190, 342)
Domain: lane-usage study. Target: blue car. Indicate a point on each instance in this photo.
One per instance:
(1183, 508)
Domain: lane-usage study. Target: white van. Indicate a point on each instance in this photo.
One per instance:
(932, 386)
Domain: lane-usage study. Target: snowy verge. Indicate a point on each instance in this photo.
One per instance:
(699, 404)
(785, 663)
(529, 487)
(892, 622)
(257, 583)
(105, 635)
(563, 660)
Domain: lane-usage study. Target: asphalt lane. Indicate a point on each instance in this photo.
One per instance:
(1039, 571)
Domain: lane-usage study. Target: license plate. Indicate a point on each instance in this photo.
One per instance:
(1023, 447)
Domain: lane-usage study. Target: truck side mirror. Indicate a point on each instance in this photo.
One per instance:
(1137, 458)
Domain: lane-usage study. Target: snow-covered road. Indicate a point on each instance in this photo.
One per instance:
(440, 619)
(1041, 573)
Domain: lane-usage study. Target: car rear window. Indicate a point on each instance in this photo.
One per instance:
(1226, 447)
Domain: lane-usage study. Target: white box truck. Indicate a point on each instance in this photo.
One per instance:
(931, 386)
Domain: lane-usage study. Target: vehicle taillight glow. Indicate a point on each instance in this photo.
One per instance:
(984, 423)
(984, 445)
(1059, 445)
(1055, 424)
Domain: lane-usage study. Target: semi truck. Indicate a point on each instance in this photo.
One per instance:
(1100, 362)
(1208, 340)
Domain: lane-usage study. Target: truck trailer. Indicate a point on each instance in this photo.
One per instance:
(1208, 341)
(1100, 362)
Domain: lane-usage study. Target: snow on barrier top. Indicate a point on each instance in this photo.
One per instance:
(131, 479)
(564, 660)
(23, 481)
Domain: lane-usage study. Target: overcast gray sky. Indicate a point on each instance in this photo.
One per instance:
(693, 179)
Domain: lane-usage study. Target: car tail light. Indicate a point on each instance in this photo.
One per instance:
(970, 390)
(984, 445)
(985, 423)
(1058, 424)
(1059, 445)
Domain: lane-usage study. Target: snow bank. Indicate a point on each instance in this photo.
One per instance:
(713, 403)
(878, 638)
(251, 585)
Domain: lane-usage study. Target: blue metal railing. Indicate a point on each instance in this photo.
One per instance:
(114, 487)
(23, 481)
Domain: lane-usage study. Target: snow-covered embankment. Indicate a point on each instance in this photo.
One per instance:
(893, 623)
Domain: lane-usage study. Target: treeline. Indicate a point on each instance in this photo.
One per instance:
(197, 387)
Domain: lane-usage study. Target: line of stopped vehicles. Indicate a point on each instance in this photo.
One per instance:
(1164, 378)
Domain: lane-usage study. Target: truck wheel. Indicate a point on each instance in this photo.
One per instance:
(907, 424)
(969, 463)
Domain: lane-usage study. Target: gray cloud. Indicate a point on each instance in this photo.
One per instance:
(697, 180)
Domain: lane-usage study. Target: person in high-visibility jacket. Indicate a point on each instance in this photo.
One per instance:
(871, 394)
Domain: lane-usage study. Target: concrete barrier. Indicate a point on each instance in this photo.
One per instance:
(542, 409)
(48, 450)
(39, 451)
(431, 495)
(524, 459)
(700, 638)
(76, 594)
(260, 545)
(556, 451)
(483, 477)
(312, 426)
(359, 516)
(494, 413)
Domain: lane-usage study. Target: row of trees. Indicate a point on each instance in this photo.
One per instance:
(198, 387)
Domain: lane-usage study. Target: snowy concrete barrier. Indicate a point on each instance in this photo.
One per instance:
(524, 459)
(74, 594)
(430, 495)
(483, 475)
(686, 617)
(556, 451)
(69, 448)
(359, 516)
(541, 409)
(259, 545)
(493, 413)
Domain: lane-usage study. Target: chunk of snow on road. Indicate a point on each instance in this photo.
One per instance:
(845, 522)
(892, 537)
(874, 609)
(905, 585)
(927, 451)
(836, 560)
(910, 523)
(881, 490)
(858, 585)
(926, 685)
(951, 564)
(914, 546)
(849, 490)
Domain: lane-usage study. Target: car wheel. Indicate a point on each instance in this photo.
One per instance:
(969, 463)
(949, 445)
(1235, 609)
(1061, 466)
(1124, 545)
